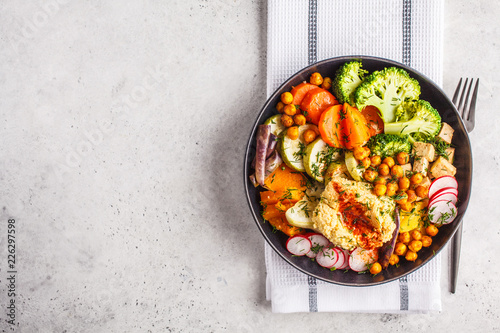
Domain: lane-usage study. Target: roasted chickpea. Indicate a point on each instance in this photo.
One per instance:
(394, 259)
(404, 237)
(406, 206)
(400, 249)
(383, 169)
(286, 97)
(299, 119)
(380, 180)
(415, 245)
(404, 182)
(422, 191)
(397, 171)
(293, 132)
(392, 188)
(412, 196)
(286, 120)
(290, 109)
(316, 79)
(360, 153)
(376, 268)
(370, 175)
(380, 189)
(426, 241)
(365, 162)
(280, 106)
(431, 230)
(376, 160)
(416, 235)
(389, 161)
(401, 198)
(327, 83)
(416, 178)
(411, 256)
(309, 136)
(402, 157)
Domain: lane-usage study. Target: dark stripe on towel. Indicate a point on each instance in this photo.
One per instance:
(313, 31)
(313, 294)
(407, 32)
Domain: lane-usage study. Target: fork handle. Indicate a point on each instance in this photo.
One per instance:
(455, 257)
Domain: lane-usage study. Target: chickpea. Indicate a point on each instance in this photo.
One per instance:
(415, 245)
(397, 171)
(293, 132)
(412, 196)
(404, 183)
(376, 160)
(389, 161)
(406, 206)
(404, 237)
(422, 191)
(380, 181)
(426, 241)
(400, 249)
(286, 120)
(309, 136)
(327, 83)
(365, 162)
(376, 268)
(392, 188)
(360, 153)
(370, 175)
(286, 97)
(380, 189)
(416, 178)
(280, 106)
(290, 109)
(383, 169)
(394, 259)
(402, 157)
(411, 256)
(431, 230)
(316, 79)
(416, 235)
(299, 119)
(401, 198)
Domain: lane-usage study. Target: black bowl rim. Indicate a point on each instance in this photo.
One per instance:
(388, 62)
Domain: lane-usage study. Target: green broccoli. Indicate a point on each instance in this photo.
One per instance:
(386, 89)
(418, 119)
(388, 144)
(348, 77)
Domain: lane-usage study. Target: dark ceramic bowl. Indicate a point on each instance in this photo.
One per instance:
(463, 162)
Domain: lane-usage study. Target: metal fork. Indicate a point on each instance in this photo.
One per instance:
(467, 109)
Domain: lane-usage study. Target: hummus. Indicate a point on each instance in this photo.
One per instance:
(351, 216)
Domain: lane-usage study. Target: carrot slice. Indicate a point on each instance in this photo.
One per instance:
(284, 178)
(315, 102)
(273, 197)
(373, 120)
(298, 92)
(280, 223)
(329, 126)
(355, 131)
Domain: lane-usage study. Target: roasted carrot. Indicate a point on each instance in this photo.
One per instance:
(299, 91)
(355, 131)
(373, 120)
(315, 102)
(329, 126)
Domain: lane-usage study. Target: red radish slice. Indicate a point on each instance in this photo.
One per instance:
(445, 190)
(361, 258)
(327, 257)
(442, 182)
(342, 258)
(318, 240)
(442, 212)
(445, 196)
(346, 262)
(298, 245)
(312, 254)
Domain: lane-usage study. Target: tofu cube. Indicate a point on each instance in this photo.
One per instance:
(441, 167)
(425, 150)
(406, 169)
(446, 133)
(421, 165)
(426, 181)
(450, 154)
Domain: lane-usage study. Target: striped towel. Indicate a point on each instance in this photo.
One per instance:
(302, 32)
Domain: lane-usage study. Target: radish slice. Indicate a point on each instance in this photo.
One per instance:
(311, 254)
(346, 256)
(327, 257)
(361, 258)
(442, 182)
(318, 242)
(445, 196)
(442, 212)
(298, 245)
(342, 258)
(445, 190)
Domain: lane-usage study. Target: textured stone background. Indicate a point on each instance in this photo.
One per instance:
(123, 126)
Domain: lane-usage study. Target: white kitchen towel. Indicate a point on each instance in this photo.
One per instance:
(301, 32)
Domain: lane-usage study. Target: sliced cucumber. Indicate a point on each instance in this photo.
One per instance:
(293, 151)
(276, 125)
(337, 168)
(300, 215)
(317, 158)
(354, 168)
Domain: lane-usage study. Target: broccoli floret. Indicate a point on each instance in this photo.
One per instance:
(348, 77)
(386, 90)
(418, 119)
(388, 144)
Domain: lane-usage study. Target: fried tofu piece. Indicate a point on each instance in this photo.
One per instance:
(441, 167)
